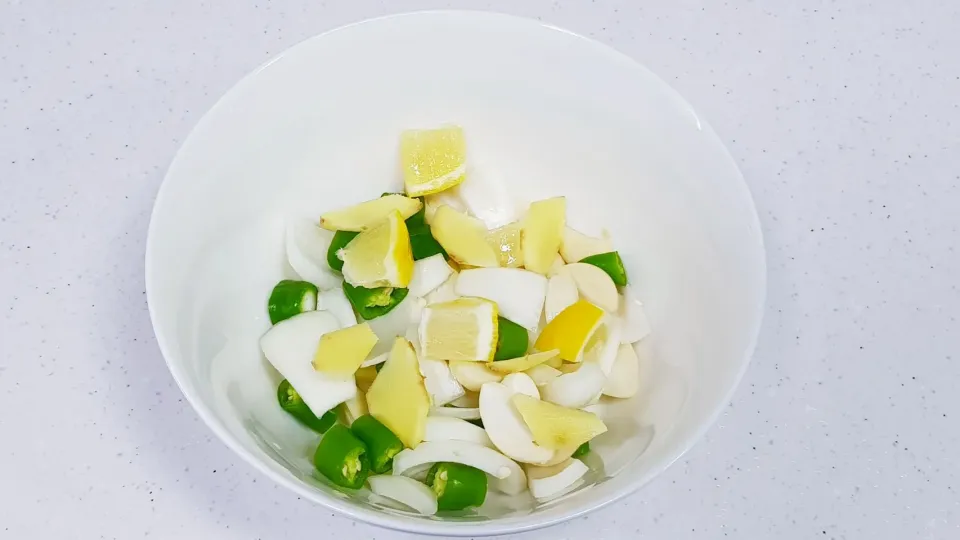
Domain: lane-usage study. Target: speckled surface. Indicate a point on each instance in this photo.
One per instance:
(843, 116)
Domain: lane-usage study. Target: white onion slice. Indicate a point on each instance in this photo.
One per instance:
(487, 197)
(464, 413)
(439, 381)
(395, 323)
(608, 351)
(379, 359)
(594, 285)
(509, 477)
(290, 345)
(428, 274)
(354, 408)
(468, 400)
(543, 374)
(506, 427)
(635, 323)
(519, 294)
(406, 491)
(624, 378)
(448, 428)
(306, 246)
(521, 383)
(575, 389)
(445, 292)
(549, 482)
(576, 246)
(473, 375)
(336, 303)
(561, 294)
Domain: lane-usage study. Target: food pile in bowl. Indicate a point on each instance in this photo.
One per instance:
(442, 353)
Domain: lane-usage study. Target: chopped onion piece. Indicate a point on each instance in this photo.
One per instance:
(510, 477)
(406, 491)
(543, 374)
(561, 294)
(428, 274)
(379, 359)
(306, 245)
(575, 389)
(506, 427)
(521, 383)
(519, 294)
(336, 303)
(448, 428)
(635, 323)
(549, 482)
(463, 413)
(472, 375)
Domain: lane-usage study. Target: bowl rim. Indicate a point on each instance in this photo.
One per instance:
(411, 524)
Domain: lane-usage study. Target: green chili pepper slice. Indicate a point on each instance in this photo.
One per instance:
(290, 298)
(340, 241)
(612, 264)
(424, 245)
(342, 458)
(581, 450)
(373, 303)
(457, 486)
(291, 402)
(512, 340)
(418, 222)
(381, 443)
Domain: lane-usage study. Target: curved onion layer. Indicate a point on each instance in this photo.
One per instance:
(406, 491)
(549, 482)
(521, 383)
(464, 413)
(509, 477)
(575, 389)
(448, 428)
(506, 427)
(306, 246)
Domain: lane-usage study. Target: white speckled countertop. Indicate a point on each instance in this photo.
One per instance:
(843, 116)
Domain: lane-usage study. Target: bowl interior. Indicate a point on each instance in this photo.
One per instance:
(546, 113)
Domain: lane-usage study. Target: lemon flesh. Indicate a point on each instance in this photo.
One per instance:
(459, 330)
(433, 160)
(380, 256)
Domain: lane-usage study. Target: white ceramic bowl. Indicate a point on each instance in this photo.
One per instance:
(546, 113)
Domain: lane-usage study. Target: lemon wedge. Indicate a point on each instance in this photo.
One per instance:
(543, 233)
(463, 237)
(380, 256)
(433, 160)
(506, 242)
(365, 215)
(341, 352)
(463, 329)
(573, 331)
